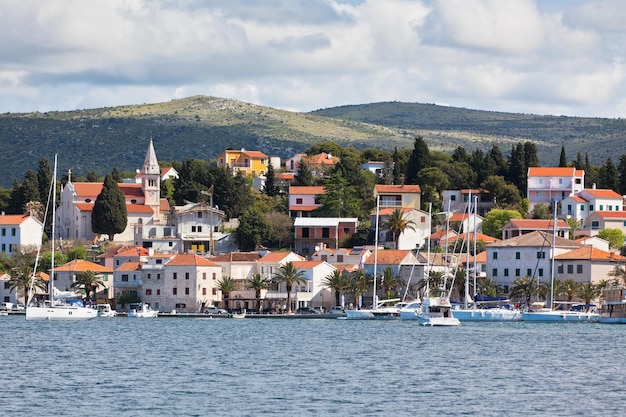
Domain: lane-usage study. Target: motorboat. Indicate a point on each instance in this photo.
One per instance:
(382, 311)
(411, 310)
(437, 311)
(105, 310)
(142, 310)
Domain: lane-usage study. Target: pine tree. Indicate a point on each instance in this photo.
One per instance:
(419, 159)
(30, 187)
(579, 164)
(530, 155)
(622, 174)
(563, 158)
(16, 200)
(44, 179)
(92, 176)
(117, 177)
(109, 215)
(517, 168)
(304, 175)
(608, 177)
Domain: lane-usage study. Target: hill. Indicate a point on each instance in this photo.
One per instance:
(201, 127)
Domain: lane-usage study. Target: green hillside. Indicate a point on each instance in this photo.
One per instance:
(201, 127)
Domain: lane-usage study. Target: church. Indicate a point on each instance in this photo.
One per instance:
(143, 203)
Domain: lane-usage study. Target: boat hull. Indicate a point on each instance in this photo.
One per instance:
(492, 314)
(60, 313)
(556, 316)
(426, 320)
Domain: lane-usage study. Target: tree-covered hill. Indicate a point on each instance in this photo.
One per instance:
(201, 127)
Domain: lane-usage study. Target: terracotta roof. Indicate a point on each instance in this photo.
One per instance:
(539, 224)
(480, 257)
(602, 193)
(442, 234)
(479, 237)
(255, 154)
(307, 264)
(284, 175)
(397, 188)
(133, 251)
(130, 208)
(190, 260)
(13, 219)
(577, 198)
(80, 265)
(113, 250)
(459, 217)
(43, 276)
(128, 266)
(275, 257)
(322, 159)
(164, 205)
(307, 189)
(91, 189)
(611, 214)
(554, 172)
(387, 257)
(590, 253)
(388, 211)
(237, 257)
(303, 208)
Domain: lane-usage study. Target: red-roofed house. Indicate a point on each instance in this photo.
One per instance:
(304, 199)
(19, 231)
(546, 185)
(464, 223)
(403, 263)
(599, 220)
(580, 205)
(518, 227)
(402, 196)
(65, 276)
(143, 203)
(586, 264)
(320, 164)
(249, 162)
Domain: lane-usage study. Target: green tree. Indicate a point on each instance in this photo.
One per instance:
(253, 229)
(503, 193)
(569, 288)
(397, 224)
(432, 182)
(226, 285)
(563, 157)
(608, 177)
(30, 188)
(419, 160)
(44, 180)
(615, 237)
(587, 292)
(518, 171)
(21, 278)
(280, 229)
(495, 163)
(335, 281)
(117, 176)
(390, 282)
(304, 176)
(89, 281)
(257, 283)
(289, 275)
(523, 289)
(530, 155)
(339, 200)
(542, 211)
(270, 187)
(109, 215)
(622, 175)
(495, 219)
(359, 284)
(77, 252)
(92, 176)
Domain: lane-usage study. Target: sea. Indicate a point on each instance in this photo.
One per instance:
(309, 367)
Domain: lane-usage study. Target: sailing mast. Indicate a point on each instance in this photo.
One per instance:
(467, 249)
(53, 231)
(552, 257)
(375, 297)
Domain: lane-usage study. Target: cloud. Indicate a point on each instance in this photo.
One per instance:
(526, 56)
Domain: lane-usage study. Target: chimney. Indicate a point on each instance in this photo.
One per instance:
(593, 186)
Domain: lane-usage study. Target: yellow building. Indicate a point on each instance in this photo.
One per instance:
(249, 162)
(398, 196)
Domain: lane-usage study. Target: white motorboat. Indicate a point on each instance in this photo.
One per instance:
(411, 310)
(105, 310)
(142, 310)
(437, 311)
(62, 305)
(381, 312)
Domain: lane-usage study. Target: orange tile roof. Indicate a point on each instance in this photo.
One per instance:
(275, 257)
(130, 208)
(397, 188)
(255, 154)
(590, 253)
(480, 257)
(578, 199)
(387, 257)
(540, 224)
(134, 251)
(13, 219)
(388, 211)
(190, 260)
(611, 214)
(307, 189)
(303, 208)
(553, 172)
(442, 234)
(129, 266)
(237, 257)
(307, 264)
(479, 237)
(322, 159)
(91, 189)
(80, 265)
(284, 175)
(602, 193)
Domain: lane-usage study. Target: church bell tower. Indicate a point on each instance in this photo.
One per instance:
(151, 181)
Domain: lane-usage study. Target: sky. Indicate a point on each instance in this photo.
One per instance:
(559, 57)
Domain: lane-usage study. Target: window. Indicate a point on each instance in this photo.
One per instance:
(517, 255)
(199, 229)
(174, 290)
(346, 230)
(204, 291)
(541, 255)
(495, 256)
(569, 209)
(595, 225)
(452, 198)
(204, 276)
(214, 291)
(601, 207)
(4, 231)
(158, 292)
(199, 214)
(560, 269)
(326, 233)
(170, 244)
(125, 278)
(149, 276)
(305, 232)
(517, 272)
(529, 272)
(181, 305)
(214, 276)
(494, 272)
(325, 259)
(158, 276)
(187, 276)
(506, 272)
(175, 276)
(193, 229)
(590, 207)
(4, 247)
(540, 272)
(187, 291)
(506, 288)
(570, 269)
(579, 269)
(13, 231)
(159, 261)
(299, 201)
(148, 292)
(582, 207)
(340, 259)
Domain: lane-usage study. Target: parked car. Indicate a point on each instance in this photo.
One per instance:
(214, 310)
(307, 310)
(320, 309)
(336, 310)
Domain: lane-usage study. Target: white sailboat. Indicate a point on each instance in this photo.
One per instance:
(61, 305)
(558, 315)
(492, 308)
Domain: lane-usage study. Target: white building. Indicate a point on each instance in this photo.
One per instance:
(19, 231)
(582, 204)
(546, 185)
(410, 238)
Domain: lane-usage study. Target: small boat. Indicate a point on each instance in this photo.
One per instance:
(489, 309)
(238, 315)
(613, 309)
(437, 311)
(411, 310)
(142, 310)
(105, 310)
(381, 312)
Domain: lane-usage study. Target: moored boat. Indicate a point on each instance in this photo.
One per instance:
(613, 309)
(437, 311)
(142, 310)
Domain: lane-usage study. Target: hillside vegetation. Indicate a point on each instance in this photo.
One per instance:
(201, 127)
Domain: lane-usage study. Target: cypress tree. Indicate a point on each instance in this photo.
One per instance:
(30, 187)
(517, 168)
(304, 175)
(608, 177)
(397, 175)
(270, 187)
(622, 174)
(419, 159)
(109, 215)
(563, 158)
(16, 200)
(530, 155)
(117, 177)
(579, 164)
(44, 179)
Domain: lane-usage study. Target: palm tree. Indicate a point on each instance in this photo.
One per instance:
(588, 292)
(390, 281)
(523, 289)
(569, 288)
(602, 285)
(359, 285)
(396, 224)
(226, 285)
(289, 275)
(488, 287)
(22, 278)
(619, 272)
(90, 281)
(337, 282)
(257, 283)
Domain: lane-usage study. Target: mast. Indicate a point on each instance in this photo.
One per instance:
(54, 204)
(475, 272)
(428, 264)
(467, 249)
(374, 297)
(552, 257)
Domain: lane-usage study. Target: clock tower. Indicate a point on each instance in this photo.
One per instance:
(151, 181)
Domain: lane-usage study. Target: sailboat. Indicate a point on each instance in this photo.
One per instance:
(61, 305)
(380, 310)
(551, 315)
(493, 308)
